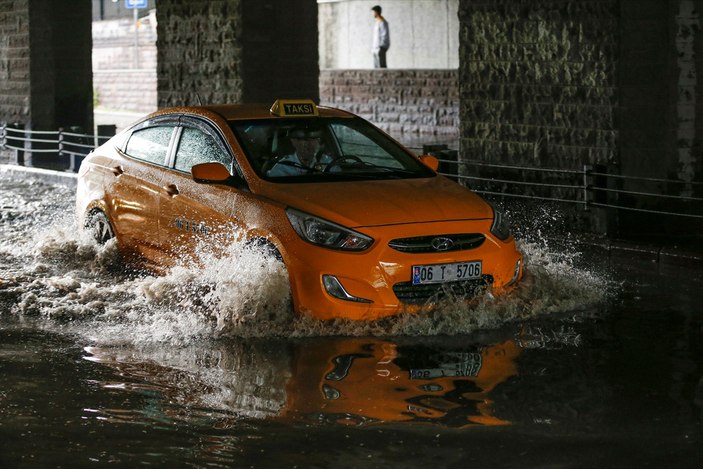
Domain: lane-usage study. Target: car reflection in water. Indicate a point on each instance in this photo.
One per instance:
(366, 380)
(327, 381)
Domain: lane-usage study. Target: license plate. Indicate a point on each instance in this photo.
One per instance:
(468, 365)
(442, 273)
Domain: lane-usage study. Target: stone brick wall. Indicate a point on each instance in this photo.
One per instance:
(405, 103)
(538, 88)
(51, 84)
(14, 61)
(233, 51)
(199, 52)
(126, 90)
(120, 82)
(568, 83)
(538, 81)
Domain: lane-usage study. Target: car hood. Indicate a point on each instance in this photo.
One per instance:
(358, 204)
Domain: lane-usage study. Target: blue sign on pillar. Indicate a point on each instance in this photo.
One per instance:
(135, 3)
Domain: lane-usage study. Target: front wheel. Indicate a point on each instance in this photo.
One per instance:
(265, 246)
(100, 227)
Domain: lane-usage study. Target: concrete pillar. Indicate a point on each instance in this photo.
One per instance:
(14, 61)
(48, 85)
(607, 83)
(236, 51)
(280, 50)
(661, 134)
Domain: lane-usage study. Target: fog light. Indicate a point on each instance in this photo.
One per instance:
(335, 289)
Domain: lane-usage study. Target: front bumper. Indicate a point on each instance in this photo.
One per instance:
(378, 281)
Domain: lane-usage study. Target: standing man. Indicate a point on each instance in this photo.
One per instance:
(381, 38)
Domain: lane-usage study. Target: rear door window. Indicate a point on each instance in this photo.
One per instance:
(150, 144)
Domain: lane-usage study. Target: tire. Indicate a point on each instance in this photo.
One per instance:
(265, 246)
(100, 227)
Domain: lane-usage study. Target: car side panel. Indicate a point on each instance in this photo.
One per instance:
(194, 215)
(90, 187)
(133, 203)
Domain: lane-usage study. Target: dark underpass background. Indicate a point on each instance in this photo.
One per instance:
(586, 364)
(595, 360)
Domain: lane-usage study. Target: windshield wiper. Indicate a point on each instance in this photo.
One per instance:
(367, 165)
(295, 164)
(371, 175)
(390, 169)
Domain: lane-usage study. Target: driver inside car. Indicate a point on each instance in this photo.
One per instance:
(307, 155)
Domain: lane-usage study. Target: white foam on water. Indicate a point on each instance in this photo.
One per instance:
(62, 278)
(245, 377)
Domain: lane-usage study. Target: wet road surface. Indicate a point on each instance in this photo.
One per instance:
(586, 365)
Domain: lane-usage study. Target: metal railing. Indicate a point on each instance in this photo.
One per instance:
(589, 187)
(62, 143)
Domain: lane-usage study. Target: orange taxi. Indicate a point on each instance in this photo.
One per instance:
(365, 228)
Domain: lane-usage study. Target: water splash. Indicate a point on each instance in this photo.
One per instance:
(66, 281)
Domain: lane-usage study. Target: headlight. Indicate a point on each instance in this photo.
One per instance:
(501, 225)
(325, 233)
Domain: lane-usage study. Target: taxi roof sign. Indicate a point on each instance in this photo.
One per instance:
(294, 108)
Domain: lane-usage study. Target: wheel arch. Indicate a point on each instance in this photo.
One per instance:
(266, 244)
(95, 206)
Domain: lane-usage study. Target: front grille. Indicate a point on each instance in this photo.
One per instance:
(421, 294)
(420, 244)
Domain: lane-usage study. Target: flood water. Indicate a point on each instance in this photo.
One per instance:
(584, 365)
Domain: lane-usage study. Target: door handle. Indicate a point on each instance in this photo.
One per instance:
(171, 189)
(117, 170)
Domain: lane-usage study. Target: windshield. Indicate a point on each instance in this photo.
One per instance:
(324, 149)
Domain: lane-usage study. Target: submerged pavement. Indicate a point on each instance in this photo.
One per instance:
(586, 364)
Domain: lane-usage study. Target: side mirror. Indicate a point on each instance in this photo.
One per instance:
(210, 173)
(430, 161)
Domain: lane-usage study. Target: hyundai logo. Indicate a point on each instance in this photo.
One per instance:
(442, 244)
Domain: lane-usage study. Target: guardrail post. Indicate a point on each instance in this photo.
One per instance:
(105, 132)
(587, 186)
(595, 177)
(18, 144)
(71, 152)
(600, 179)
(449, 159)
(60, 142)
(83, 144)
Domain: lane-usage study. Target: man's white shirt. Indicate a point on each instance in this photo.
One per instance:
(292, 170)
(381, 35)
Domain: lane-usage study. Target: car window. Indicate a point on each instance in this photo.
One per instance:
(324, 149)
(353, 142)
(150, 144)
(198, 147)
